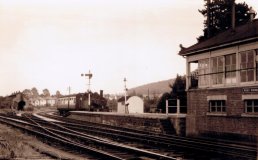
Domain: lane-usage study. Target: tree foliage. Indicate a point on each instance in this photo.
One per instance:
(46, 93)
(58, 94)
(177, 92)
(35, 92)
(220, 16)
(27, 93)
(161, 106)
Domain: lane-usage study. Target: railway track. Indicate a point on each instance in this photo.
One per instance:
(165, 143)
(90, 146)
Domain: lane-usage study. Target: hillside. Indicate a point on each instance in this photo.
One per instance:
(155, 88)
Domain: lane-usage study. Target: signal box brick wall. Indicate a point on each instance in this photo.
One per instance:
(234, 124)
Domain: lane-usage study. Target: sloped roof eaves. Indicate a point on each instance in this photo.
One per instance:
(122, 99)
(254, 39)
(242, 34)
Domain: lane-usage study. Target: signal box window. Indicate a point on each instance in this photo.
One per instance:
(230, 68)
(256, 64)
(217, 64)
(251, 106)
(217, 106)
(247, 66)
(203, 70)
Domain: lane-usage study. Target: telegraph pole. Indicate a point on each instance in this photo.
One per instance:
(69, 91)
(89, 75)
(126, 106)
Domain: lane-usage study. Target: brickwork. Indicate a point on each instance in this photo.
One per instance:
(232, 123)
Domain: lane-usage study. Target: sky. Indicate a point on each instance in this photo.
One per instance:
(50, 43)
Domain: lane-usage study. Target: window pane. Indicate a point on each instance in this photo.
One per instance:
(243, 66)
(250, 75)
(249, 103)
(220, 61)
(255, 109)
(234, 59)
(203, 68)
(249, 109)
(217, 106)
(250, 57)
(230, 69)
(227, 60)
(243, 57)
(220, 78)
(223, 103)
(256, 71)
(256, 103)
(227, 68)
(243, 76)
(214, 62)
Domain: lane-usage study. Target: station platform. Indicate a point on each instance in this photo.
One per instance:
(153, 122)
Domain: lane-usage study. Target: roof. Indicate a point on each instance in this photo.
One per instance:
(122, 99)
(70, 95)
(242, 34)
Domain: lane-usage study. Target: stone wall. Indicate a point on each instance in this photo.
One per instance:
(146, 123)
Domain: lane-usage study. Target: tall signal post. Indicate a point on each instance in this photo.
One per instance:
(89, 75)
(126, 105)
(69, 90)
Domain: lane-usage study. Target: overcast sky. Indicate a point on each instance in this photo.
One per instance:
(49, 43)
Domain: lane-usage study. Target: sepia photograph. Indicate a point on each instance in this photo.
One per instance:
(128, 79)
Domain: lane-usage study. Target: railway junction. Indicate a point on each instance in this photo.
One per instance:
(92, 140)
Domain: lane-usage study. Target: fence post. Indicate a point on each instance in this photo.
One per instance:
(166, 107)
(177, 106)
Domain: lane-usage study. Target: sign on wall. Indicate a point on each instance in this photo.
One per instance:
(250, 90)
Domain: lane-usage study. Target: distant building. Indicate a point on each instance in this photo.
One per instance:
(43, 101)
(223, 95)
(135, 105)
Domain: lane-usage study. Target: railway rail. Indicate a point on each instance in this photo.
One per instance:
(183, 145)
(89, 145)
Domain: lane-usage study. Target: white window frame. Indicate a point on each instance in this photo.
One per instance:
(221, 106)
(249, 97)
(253, 106)
(254, 64)
(203, 72)
(216, 74)
(233, 80)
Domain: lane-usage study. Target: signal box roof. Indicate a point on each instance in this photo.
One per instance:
(242, 34)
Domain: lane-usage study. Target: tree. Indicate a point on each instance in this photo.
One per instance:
(112, 104)
(58, 94)
(150, 105)
(35, 92)
(177, 92)
(27, 93)
(46, 93)
(220, 16)
(161, 106)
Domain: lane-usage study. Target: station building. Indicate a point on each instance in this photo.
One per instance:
(222, 91)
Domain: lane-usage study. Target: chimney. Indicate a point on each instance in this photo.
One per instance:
(233, 15)
(208, 18)
(101, 93)
(252, 14)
